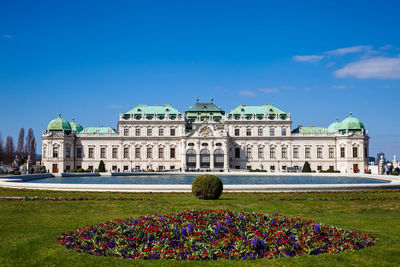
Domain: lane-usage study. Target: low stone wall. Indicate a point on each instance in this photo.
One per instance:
(28, 177)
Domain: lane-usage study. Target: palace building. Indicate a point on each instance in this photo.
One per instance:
(205, 137)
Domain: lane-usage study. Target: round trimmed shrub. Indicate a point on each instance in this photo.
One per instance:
(207, 186)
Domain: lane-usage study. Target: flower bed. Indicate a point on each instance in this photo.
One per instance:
(328, 198)
(212, 234)
(74, 198)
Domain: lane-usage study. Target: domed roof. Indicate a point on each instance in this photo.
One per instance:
(59, 124)
(334, 127)
(76, 127)
(351, 123)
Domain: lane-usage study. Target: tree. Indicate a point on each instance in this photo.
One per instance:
(20, 146)
(9, 150)
(306, 167)
(102, 167)
(1, 150)
(28, 142)
(33, 150)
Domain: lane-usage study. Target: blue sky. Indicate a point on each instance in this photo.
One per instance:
(92, 60)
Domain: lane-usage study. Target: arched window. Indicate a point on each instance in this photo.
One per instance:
(218, 158)
(205, 158)
(190, 159)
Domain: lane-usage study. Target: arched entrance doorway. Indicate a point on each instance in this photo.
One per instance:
(191, 159)
(219, 159)
(205, 158)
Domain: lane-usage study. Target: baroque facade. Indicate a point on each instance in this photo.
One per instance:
(206, 138)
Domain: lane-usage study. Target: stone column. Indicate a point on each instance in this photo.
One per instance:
(212, 155)
(198, 155)
(183, 155)
(226, 156)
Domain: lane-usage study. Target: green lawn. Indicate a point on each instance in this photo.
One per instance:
(29, 229)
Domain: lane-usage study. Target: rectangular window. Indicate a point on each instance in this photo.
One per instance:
(272, 152)
(172, 132)
(137, 152)
(319, 168)
(149, 132)
(342, 152)
(284, 152)
(331, 153)
(126, 168)
(237, 132)
(79, 153)
(272, 168)
(172, 153)
(248, 153)
(295, 152)
(114, 152)
(137, 131)
(126, 131)
(55, 152)
(260, 131)
(355, 152)
(160, 152)
(126, 152)
(103, 152)
(237, 152)
(248, 132)
(161, 132)
(91, 152)
(149, 152)
(67, 152)
(283, 131)
(260, 153)
(271, 132)
(319, 152)
(307, 152)
(331, 168)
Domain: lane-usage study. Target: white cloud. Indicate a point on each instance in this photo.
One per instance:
(377, 67)
(348, 50)
(8, 36)
(342, 86)
(247, 93)
(386, 47)
(311, 58)
(268, 90)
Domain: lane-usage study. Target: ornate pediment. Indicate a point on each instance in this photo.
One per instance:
(206, 130)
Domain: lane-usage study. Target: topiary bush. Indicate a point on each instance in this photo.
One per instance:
(207, 186)
(306, 167)
(102, 167)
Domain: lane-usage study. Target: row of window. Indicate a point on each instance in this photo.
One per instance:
(114, 152)
(307, 152)
(149, 132)
(261, 132)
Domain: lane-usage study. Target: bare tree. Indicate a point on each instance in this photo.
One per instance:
(28, 142)
(1, 150)
(33, 150)
(20, 146)
(9, 150)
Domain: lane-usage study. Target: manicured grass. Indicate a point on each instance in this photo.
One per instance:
(30, 229)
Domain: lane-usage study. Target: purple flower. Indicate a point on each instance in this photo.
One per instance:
(291, 237)
(316, 228)
(295, 245)
(183, 231)
(254, 241)
(190, 227)
(272, 222)
(227, 221)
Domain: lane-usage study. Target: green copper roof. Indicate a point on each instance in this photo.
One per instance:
(76, 127)
(263, 109)
(59, 124)
(205, 107)
(334, 127)
(164, 109)
(98, 130)
(309, 130)
(351, 123)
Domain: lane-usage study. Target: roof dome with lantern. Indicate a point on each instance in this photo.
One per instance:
(59, 124)
(76, 127)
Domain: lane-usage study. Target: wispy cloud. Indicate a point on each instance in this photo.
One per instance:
(386, 47)
(7, 36)
(342, 86)
(377, 67)
(115, 106)
(247, 93)
(348, 50)
(310, 58)
(269, 90)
